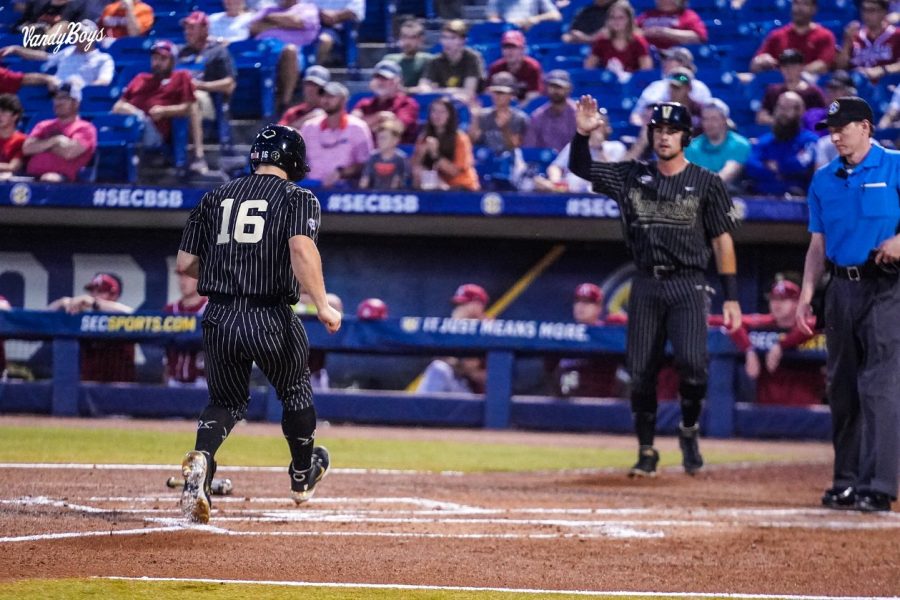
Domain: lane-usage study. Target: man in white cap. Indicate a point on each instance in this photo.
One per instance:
(720, 149)
(387, 86)
(83, 60)
(658, 91)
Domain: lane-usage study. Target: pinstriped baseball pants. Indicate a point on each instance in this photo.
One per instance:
(674, 309)
(234, 338)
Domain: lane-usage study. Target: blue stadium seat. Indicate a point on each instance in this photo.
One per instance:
(489, 51)
(131, 49)
(99, 98)
(534, 104)
(487, 32)
(167, 24)
(256, 62)
(117, 139)
(545, 31)
(538, 159)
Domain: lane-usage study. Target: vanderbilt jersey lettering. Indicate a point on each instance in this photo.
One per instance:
(241, 230)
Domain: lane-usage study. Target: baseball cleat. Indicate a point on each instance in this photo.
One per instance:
(839, 498)
(691, 458)
(648, 458)
(195, 504)
(303, 483)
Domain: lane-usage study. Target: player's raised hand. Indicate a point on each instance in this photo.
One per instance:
(330, 318)
(587, 118)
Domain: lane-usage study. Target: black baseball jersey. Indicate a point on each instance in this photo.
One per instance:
(241, 230)
(667, 220)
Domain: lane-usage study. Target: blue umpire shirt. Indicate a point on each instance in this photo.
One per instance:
(856, 209)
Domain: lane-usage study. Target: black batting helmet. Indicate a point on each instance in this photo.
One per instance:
(282, 147)
(674, 115)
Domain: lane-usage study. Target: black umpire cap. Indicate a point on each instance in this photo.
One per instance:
(282, 147)
(846, 109)
(671, 113)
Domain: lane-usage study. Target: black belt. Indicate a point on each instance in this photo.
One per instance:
(867, 270)
(246, 301)
(667, 271)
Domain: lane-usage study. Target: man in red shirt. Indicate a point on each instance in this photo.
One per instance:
(160, 95)
(671, 24)
(184, 361)
(59, 147)
(11, 140)
(387, 86)
(101, 360)
(314, 81)
(12, 81)
(872, 47)
(786, 382)
(526, 70)
(814, 42)
(598, 375)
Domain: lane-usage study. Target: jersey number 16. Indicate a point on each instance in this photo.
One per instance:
(248, 229)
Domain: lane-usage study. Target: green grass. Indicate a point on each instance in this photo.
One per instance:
(131, 446)
(81, 589)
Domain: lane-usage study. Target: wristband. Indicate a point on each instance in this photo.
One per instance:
(729, 286)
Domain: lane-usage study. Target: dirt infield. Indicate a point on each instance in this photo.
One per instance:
(740, 529)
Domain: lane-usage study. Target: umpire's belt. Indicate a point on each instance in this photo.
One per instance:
(867, 270)
(246, 301)
(668, 271)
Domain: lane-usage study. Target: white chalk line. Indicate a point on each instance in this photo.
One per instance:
(225, 468)
(457, 588)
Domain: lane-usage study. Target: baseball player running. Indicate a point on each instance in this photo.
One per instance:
(252, 244)
(673, 214)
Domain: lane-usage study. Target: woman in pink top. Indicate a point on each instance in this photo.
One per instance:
(618, 48)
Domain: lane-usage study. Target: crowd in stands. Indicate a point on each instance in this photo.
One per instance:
(501, 108)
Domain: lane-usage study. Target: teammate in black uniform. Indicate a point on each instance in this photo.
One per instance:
(252, 244)
(673, 214)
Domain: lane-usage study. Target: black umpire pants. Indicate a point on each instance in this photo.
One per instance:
(237, 335)
(673, 308)
(862, 332)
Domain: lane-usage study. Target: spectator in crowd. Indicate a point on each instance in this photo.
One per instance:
(443, 155)
(101, 360)
(524, 14)
(839, 84)
(12, 81)
(603, 149)
(84, 60)
(126, 18)
(296, 24)
(411, 58)
(814, 42)
(387, 86)
(387, 168)
(891, 116)
(595, 376)
(779, 381)
(588, 23)
(454, 374)
(336, 16)
(681, 80)
(233, 24)
(4, 305)
(372, 309)
(58, 148)
(12, 159)
(314, 81)
(161, 95)
(457, 70)
(318, 374)
(873, 47)
(719, 149)
(52, 17)
(670, 23)
(782, 161)
(525, 69)
(658, 91)
(337, 144)
(501, 127)
(218, 74)
(184, 361)
(552, 125)
(791, 65)
(620, 48)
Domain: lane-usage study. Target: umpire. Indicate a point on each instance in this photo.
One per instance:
(252, 244)
(854, 217)
(673, 214)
